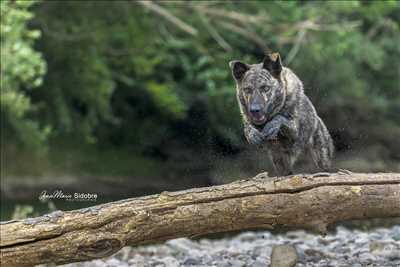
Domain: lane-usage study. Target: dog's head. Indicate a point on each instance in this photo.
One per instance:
(260, 90)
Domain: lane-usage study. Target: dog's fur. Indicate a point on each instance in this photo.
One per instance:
(276, 113)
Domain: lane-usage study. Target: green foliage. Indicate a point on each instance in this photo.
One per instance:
(166, 99)
(22, 212)
(120, 74)
(22, 69)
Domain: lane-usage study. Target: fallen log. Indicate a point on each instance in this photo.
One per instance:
(300, 201)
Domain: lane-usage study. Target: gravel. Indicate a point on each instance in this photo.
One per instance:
(378, 247)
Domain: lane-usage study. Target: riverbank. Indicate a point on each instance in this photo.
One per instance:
(376, 247)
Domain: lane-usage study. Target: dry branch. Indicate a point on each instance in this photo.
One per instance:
(168, 16)
(302, 201)
(247, 33)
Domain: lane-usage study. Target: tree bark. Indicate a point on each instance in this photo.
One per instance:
(300, 201)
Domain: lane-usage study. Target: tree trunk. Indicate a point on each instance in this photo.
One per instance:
(299, 201)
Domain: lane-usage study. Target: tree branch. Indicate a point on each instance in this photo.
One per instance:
(250, 35)
(168, 16)
(296, 47)
(215, 34)
(300, 201)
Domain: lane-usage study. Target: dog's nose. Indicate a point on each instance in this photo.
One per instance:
(255, 109)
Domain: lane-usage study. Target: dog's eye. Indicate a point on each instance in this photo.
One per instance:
(247, 90)
(263, 88)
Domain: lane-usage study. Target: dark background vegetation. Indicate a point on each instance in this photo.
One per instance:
(127, 98)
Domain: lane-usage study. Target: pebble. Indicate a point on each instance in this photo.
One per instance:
(283, 256)
(344, 247)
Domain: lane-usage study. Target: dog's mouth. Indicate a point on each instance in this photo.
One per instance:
(258, 118)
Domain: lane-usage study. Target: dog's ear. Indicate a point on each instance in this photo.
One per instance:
(273, 64)
(238, 69)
